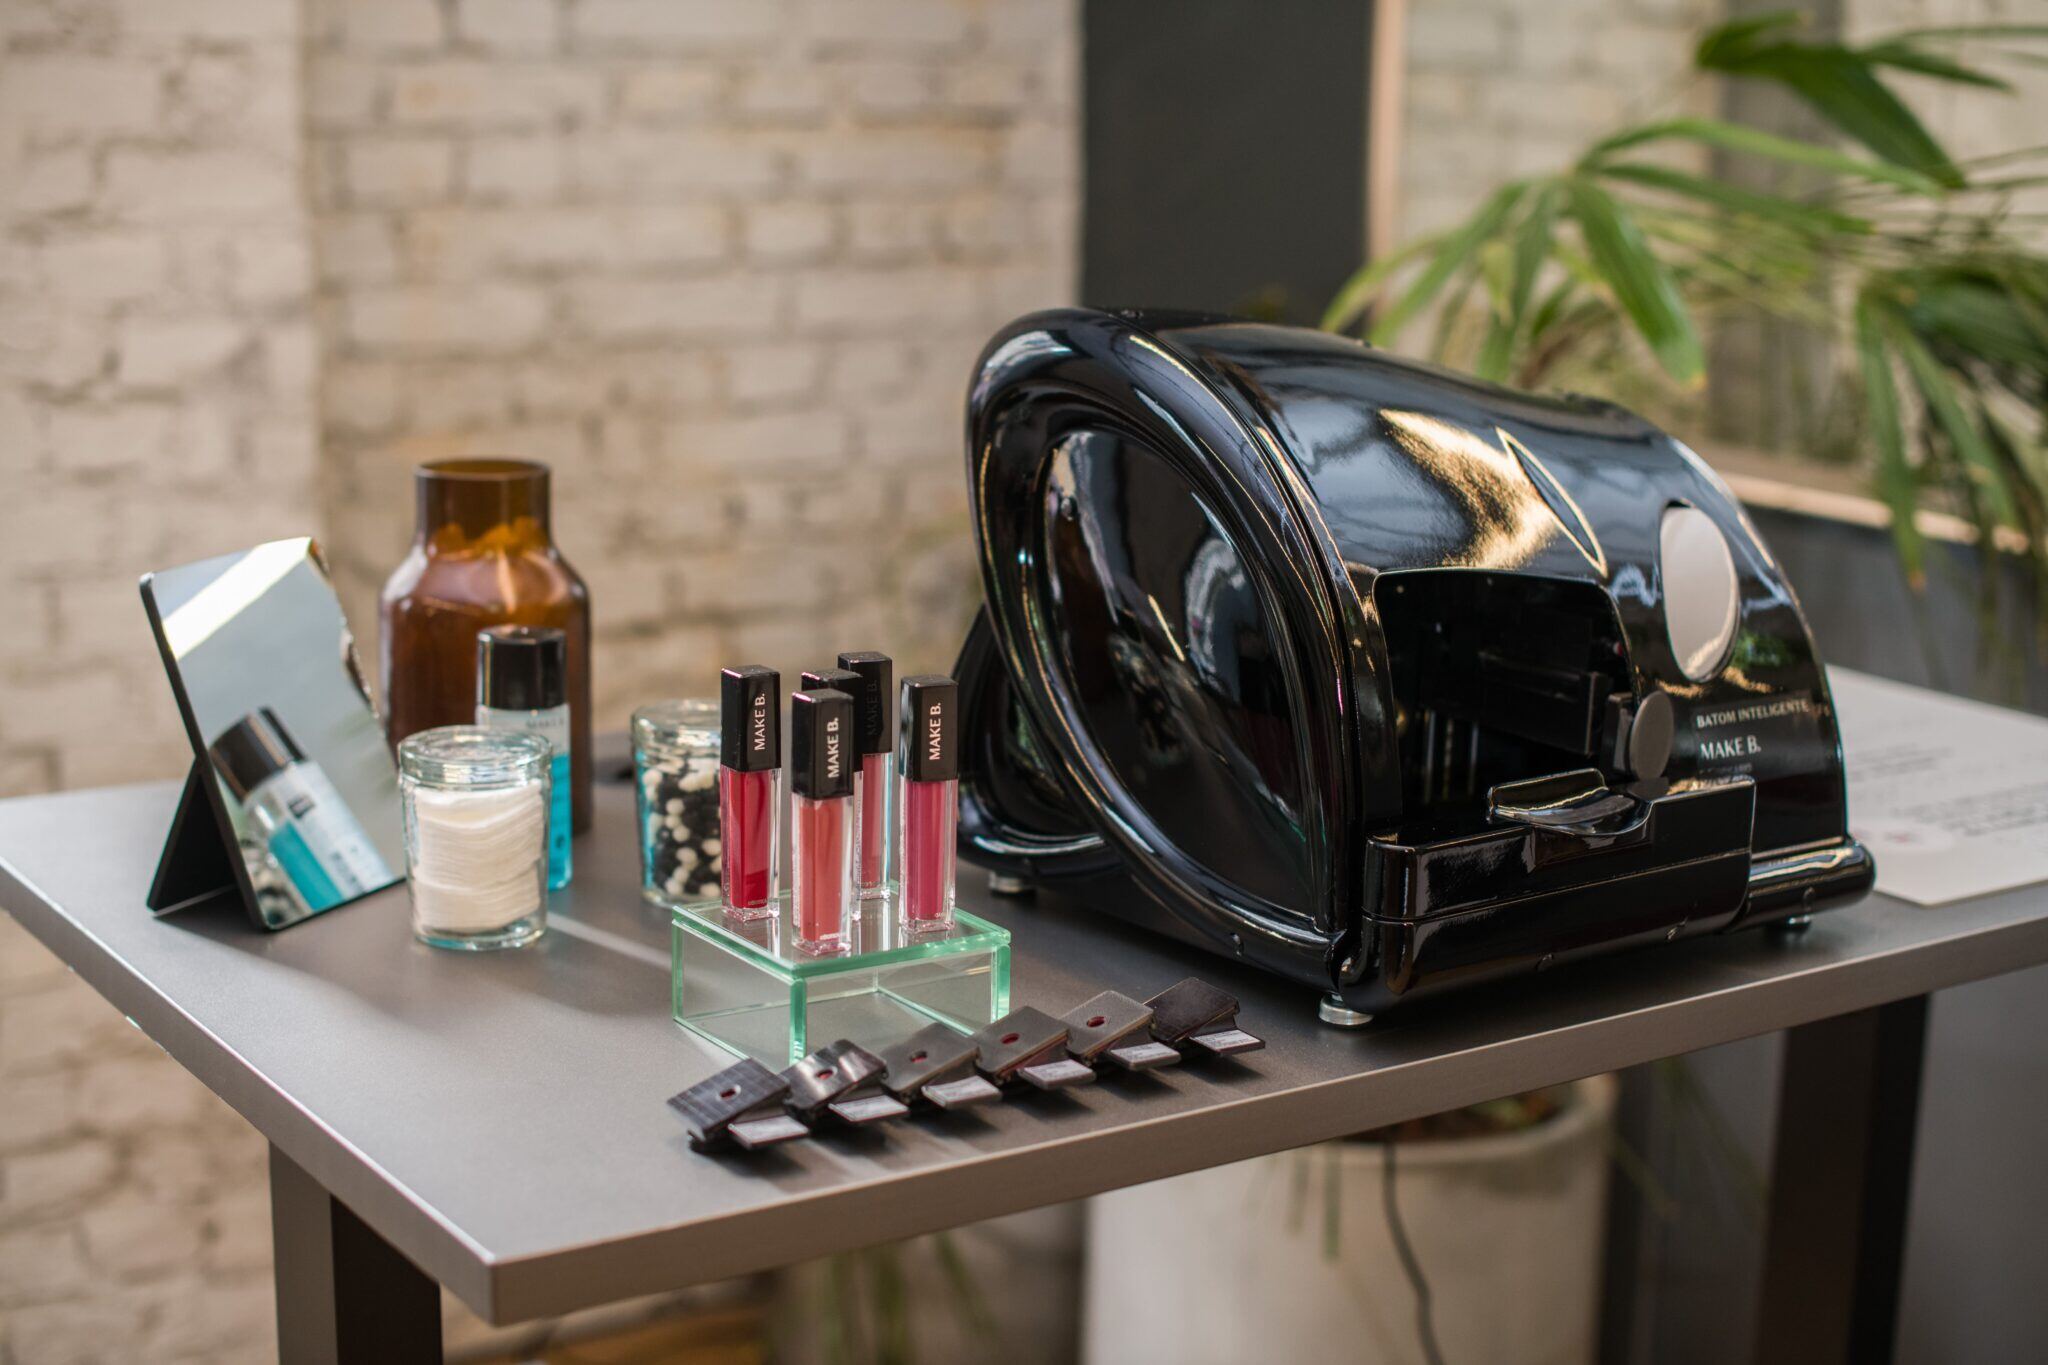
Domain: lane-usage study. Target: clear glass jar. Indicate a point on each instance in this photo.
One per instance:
(675, 770)
(476, 824)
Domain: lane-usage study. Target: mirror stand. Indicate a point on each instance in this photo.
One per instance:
(292, 798)
(194, 866)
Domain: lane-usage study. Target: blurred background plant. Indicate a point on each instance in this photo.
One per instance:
(863, 1313)
(1913, 269)
(1005, 1292)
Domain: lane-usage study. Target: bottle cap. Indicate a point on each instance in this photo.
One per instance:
(833, 680)
(750, 718)
(821, 752)
(871, 699)
(522, 668)
(929, 747)
(252, 749)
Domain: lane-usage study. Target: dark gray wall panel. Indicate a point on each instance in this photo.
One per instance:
(1224, 153)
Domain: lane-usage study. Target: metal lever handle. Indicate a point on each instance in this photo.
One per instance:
(1578, 806)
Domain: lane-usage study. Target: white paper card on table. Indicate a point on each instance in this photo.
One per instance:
(1950, 796)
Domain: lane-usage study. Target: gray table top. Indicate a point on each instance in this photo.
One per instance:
(500, 1119)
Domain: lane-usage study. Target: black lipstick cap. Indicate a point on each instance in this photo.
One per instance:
(821, 753)
(872, 699)
(750, 718)
(930, 744)
(832, 680)
(522, 668)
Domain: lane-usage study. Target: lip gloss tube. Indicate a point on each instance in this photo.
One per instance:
(821, 784)
(847, 681)
(928, 794)
(749, 788)
(874, 700)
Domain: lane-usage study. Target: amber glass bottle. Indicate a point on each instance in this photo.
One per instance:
(481, 556)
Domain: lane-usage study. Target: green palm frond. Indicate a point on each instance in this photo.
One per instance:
(1610, 271)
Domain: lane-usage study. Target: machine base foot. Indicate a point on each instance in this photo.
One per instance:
(1333, 1011)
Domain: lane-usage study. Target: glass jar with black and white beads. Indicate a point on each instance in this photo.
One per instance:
(675, 770)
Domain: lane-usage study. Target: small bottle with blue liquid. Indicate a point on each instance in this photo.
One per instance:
(522, 683)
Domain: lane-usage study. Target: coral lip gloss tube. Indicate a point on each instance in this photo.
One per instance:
(821, 773)
(928, 786)
(847, 681)
(749, 788)
(874, 698)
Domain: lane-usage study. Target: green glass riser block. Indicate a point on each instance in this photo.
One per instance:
(745, 986)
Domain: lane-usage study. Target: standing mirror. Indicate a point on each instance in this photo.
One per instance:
(293, 797)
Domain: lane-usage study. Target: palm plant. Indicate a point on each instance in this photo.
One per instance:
(1605, 274)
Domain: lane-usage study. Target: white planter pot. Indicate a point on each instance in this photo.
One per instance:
(1233, 1264)
(1026, 1269)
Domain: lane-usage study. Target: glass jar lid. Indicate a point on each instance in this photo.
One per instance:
(472, 756)
(690, 723)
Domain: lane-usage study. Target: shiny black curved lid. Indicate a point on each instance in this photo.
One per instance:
(1325, 464)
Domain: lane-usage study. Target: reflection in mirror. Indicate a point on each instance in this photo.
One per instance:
(1169, 657)
(265, 671)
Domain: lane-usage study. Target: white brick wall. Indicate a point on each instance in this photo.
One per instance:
(156, 405)
(724, 264)
(1970, 123)
(1497, 89)
(157, 346)
(735, 257)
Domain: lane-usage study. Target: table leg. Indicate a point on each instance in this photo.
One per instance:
(345, 1296)
(1848, 1106)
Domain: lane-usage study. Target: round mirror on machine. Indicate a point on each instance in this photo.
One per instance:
(1702, 599)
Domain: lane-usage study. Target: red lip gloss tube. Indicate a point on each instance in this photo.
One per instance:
(821, 782)
(749, 788)
(874, 698)
(928, 794)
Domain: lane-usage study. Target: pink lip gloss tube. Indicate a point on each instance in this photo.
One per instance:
(847, 681)
(749, 789)
(874, 699)
(821, 773)
(928, 794)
